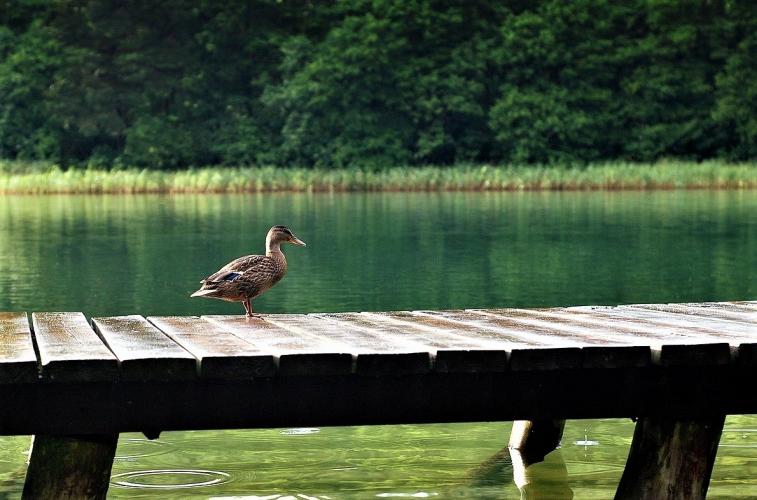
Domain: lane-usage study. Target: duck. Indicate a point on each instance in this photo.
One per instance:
(245, 278)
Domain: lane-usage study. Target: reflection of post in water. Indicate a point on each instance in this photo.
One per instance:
(531, 460)
(543, 480)
(538, 468)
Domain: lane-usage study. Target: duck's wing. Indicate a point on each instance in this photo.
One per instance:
(237, 267)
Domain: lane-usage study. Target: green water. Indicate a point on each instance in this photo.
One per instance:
(145, 254)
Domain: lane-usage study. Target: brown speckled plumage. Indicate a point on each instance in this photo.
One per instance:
(245, 278)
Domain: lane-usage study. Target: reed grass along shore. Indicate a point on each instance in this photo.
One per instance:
(16, 178)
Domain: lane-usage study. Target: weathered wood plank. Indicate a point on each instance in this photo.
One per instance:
(712, 327)
(475, 335)
(525, 334)
(373, 354)
(722, 312)
(608, 350)
(18, 362)
(673, 344)
(631, 356)
(481, 335)
(220, 354)
(553, 356)
(296, 355)
(70, 350)
(747, 355)
(143, 351)
(744, 305)
(453, 352)
(547, 349)
(616, 330)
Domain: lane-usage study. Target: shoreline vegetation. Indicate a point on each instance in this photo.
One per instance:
(38, 178)
(377, 82)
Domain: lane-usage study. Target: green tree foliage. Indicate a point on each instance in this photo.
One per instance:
(376, 82)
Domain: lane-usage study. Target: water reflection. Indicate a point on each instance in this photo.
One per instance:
(131, 449)
(543, 480)
(145, 254)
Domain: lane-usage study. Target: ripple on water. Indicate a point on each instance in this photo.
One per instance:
(134, 448)
(586, 442)
(170, 478)
(300, 431)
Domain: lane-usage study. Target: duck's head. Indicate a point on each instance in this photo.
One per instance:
(282, 234)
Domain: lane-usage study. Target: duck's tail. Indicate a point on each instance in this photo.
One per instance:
(205, 292)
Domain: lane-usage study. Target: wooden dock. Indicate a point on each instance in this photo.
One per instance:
(72, 381)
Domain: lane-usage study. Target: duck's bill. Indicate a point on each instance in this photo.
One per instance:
(296, 241)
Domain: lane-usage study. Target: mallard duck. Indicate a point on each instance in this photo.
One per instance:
(245, 278)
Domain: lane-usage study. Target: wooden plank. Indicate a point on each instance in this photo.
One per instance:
(744, 305)
(391, 335)
(599, 349)
(220, 354)
(676, 345)
(701, 343)
(602, 357)
(455, 350)
(18, 362)
(606, 349)
(683, 346)
(475, 335)
(711, 327)
(452, 352)
(549, 349)
(143, 351)
(615, 330)
(373, 352)
(70, 350)
(697, 355)
(747, 355)
(531, 335)
(528, 348)
(297, 355)
(696, 311)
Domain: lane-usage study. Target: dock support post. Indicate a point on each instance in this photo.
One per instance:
(670, 459)
(536, 438)
(70, 467)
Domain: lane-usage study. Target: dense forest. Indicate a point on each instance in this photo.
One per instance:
(178, 83)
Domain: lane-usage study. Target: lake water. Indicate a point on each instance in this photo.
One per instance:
(109, 255)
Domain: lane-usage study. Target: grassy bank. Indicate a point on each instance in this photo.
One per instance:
(18, 178)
